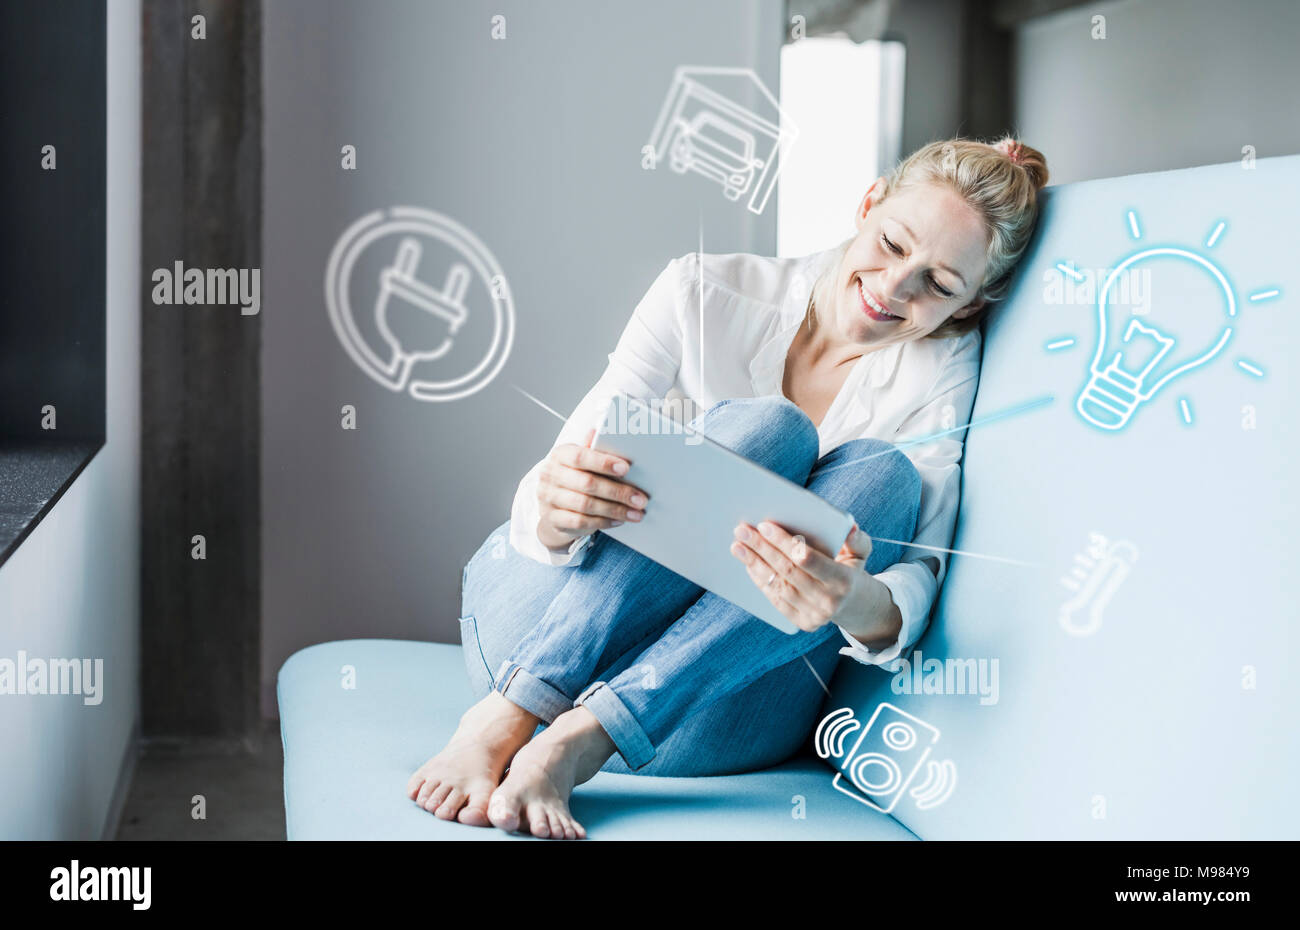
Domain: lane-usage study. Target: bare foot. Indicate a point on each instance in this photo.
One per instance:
(457, 783)
(535, 794)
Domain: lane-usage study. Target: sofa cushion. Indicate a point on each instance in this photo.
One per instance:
(1144, 687)
(348, 752)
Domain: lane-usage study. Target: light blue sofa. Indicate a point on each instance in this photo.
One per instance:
(1144, 687)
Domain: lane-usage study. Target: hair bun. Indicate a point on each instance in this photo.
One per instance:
(1030, 159)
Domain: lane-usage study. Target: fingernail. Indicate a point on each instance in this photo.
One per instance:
(638, 500)
(767, 529)
(619, 468)
(635, 516)
(742, 532)
(615, 523)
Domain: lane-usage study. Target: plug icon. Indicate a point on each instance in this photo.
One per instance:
(409, 312)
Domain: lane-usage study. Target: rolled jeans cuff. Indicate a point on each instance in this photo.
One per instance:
(524, 689)
(629, 738)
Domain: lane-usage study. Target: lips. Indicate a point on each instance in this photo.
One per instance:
(875, 308)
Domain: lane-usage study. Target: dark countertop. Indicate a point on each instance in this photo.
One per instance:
(33, 475)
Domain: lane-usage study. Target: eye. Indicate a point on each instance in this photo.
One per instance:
(890, 245)
(939, 288)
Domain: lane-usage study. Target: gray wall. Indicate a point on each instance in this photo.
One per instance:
(932, 82)
(71, 590)
(534, 144)
(1175, 83)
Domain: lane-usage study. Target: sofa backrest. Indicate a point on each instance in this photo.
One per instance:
(1141, 657)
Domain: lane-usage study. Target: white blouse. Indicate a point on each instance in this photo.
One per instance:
(713, 327)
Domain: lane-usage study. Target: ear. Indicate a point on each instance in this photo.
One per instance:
(869, 199)
(975, 306)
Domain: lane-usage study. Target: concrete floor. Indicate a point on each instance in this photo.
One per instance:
(242, 789)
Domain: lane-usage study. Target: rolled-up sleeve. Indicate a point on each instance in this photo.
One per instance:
(927, 439)
(643, 365)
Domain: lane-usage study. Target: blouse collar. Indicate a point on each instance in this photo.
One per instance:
(875, 369)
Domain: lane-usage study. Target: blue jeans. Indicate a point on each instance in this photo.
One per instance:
(683, 681)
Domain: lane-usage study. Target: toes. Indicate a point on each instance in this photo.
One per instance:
(413, 784)
(475, 811)
(451, 805)
(538, 823)
(426, 789)
(560, 829)
(504, 812)
(437, 796)
(570, 824)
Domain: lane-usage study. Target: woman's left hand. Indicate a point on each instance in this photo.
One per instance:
(808, 586)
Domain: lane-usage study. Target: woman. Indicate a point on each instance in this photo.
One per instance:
(810, 367)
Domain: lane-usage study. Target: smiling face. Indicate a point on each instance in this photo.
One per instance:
(918, 260)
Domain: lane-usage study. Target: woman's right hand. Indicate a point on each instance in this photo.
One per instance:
(580, 491)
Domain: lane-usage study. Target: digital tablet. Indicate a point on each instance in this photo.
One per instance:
(699, 491)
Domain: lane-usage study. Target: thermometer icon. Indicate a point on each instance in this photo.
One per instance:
(1097, 574)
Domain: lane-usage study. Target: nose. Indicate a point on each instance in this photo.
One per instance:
(896, 284)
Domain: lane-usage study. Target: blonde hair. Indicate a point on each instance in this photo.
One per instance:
(999, 180)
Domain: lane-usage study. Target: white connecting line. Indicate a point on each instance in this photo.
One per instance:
(815, 675)
(701, 271)
(551, 410)
(973, 555)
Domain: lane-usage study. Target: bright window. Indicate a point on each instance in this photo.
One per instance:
(847, 101)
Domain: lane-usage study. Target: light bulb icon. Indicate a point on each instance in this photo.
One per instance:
(1133, 361)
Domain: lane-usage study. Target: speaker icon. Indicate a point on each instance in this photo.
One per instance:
(885, 759)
